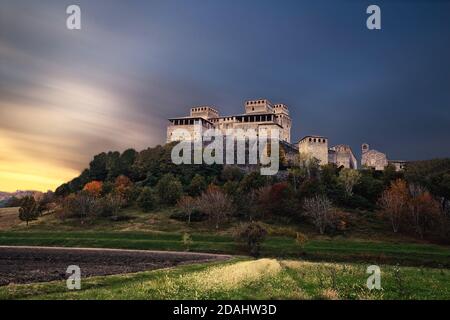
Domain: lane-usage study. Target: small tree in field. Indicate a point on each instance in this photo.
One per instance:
(28, 210)
(320, 210)
(253, 234)
(394, 202)
(216, 204)
(187, 204)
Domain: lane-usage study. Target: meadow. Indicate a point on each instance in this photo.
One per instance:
(325, 267)
(250, 279)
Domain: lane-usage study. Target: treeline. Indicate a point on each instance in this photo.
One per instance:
(143, 168)
(415, 201)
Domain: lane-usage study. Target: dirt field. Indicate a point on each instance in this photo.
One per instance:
(9, 217)
(32, 264)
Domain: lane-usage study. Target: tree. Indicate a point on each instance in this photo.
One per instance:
(169, 189)
(29, 209)
(424, 209)
(349, 178)
(231, 173)
(94, 188)
(123, 188)
(197, 185)
(320, 210)
(216, 204)
(187, 204)
(146, 200)
(394, 202)
(252, 234)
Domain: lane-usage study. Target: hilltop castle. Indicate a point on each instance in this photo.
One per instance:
(260, 115)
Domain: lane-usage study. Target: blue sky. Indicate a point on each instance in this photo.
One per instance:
(66, 95)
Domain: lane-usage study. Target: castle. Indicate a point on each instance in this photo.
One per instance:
(260, 115)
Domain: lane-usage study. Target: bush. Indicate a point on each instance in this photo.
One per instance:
(281, 232)
(108, 206)
(187, 241)
(301, 239)
(252, 234)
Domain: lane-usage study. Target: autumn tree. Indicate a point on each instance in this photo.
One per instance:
(424, 210)
(94, 188)
(29, 209)
(319, 210)
(394, 202)
(187, 204)
(123, 188)
(216, 204)
(252, 234)
(349, 178)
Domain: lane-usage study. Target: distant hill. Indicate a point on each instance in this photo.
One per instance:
(5, 196)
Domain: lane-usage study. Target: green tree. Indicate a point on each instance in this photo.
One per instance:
(349, 178)
(28, 210)
(168, 189)
(197, 185)
(146, 200)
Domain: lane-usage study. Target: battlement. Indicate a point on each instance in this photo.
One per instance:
(281, 108)
(258, 106)
(205, 112)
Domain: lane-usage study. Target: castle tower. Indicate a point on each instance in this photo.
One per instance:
(283, 118)
(314, 147)
(364, 148)
(258, 106)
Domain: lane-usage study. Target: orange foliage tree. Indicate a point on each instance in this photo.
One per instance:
(424, 210)
(123, 188)
(394, 202)
(94, 188)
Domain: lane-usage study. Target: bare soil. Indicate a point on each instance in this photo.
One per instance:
(42, 264)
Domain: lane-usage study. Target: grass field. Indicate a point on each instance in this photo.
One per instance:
(348, 250)
(250, 279)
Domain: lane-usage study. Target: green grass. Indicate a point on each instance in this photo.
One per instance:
(349, 250)
(250, 279)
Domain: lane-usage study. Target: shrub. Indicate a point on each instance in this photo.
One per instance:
(301, 239)
(108, 206)
(252, 234)
(187, 241)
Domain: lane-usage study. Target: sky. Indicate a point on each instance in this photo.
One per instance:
(66, 95)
